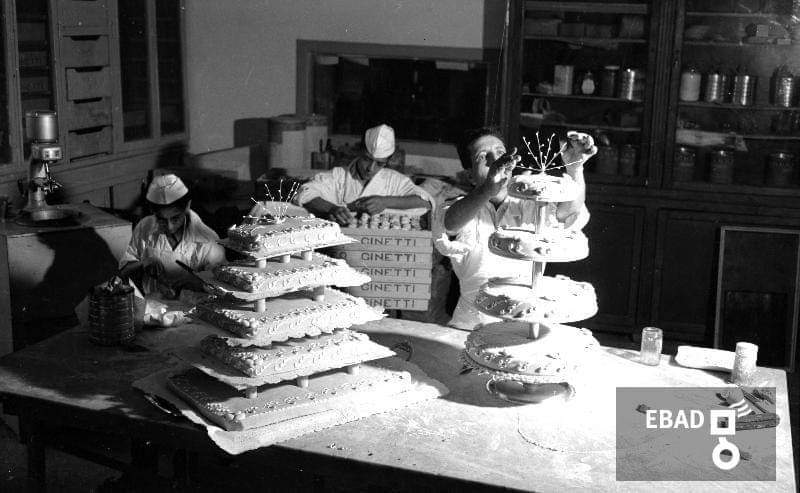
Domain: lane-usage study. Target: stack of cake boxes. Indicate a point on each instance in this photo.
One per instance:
(288, 329)
(396, 254)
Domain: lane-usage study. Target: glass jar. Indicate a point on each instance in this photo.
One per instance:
(721, 168)
(780, 169)
(690, 85)
(587, 84)
(631, 84)
(652, 342)
(627, 160)
(683, 169)
(608, 80)
(607, 160)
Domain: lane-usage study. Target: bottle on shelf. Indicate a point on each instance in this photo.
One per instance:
(690, 84)
(587, 84)
(608, 80)
(563, 76)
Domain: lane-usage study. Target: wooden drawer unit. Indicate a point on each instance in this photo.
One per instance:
(83, 13)
(84, 51)
(88, 143)
(88, 114)
(88, 84)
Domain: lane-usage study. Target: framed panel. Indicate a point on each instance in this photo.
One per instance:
(757, 295)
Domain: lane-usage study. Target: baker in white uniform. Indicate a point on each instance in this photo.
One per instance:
(172, 232)
(364, 185)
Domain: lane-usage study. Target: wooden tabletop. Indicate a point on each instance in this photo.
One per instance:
(467, 438)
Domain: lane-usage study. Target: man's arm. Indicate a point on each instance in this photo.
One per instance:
(324, 209)
(375, 204)
(579, 149)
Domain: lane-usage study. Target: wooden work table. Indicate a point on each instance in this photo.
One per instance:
(465, 440)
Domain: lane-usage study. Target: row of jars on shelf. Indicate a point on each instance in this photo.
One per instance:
(720, 87)
(780, 169)
(611, 81)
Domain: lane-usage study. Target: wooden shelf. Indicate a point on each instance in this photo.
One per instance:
(702, 186)
(737, 44)
(578, 126)
(771, 137)
(584, 7)
(585, 40)
(736, 107)
(583, 97)
(752, 15)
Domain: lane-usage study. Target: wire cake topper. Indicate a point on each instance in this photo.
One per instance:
(275, 208)
(545, 156)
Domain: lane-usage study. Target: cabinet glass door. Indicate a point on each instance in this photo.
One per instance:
(586, 66)
(737, 126)
(5, 148)
(33, 45)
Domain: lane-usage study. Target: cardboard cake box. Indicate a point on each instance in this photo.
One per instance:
(398, 261)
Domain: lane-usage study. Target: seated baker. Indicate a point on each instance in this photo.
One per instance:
(172, 232)
(364, 185)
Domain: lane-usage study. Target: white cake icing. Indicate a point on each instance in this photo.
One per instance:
(557, 299)
(296, 357)
(326, 392)
(554, 245)
(505, 347)
(290, 316)
(278, 278)
(543, 187)
(269, 237)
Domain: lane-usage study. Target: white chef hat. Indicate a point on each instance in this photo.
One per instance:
(166, 189)
(379, 142)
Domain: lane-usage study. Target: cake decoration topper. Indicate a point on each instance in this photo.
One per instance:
(275, 210)
(545, 156)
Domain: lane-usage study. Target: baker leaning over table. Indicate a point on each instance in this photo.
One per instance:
(462, 227)
(364, 185)
(172, 232)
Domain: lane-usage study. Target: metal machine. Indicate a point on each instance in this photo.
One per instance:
(41, 133)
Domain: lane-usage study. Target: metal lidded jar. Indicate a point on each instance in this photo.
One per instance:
(631, 84)
(782, 87)
(744, 87)
(780, 169)
(716, 90)
(683, 169)
(608, 80)
(721, 166)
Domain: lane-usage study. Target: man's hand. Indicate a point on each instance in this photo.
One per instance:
(341, 215)
(152, 267)
(580, 147)
(373, 204)
(500, 172)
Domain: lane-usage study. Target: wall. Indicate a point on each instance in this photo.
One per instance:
(241, 54)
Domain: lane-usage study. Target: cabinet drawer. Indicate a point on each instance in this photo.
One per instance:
(82, 144)
(84, 51)
(88, 84)
(34, 84)
(83, 13)
(88, 114)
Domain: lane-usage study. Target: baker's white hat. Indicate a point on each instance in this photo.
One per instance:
(166, 189)
(379, 141)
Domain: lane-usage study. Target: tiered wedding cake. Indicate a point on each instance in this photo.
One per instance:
(531, 349)
(290, 352)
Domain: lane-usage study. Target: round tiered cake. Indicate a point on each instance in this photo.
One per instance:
(505, 349)
(551, 246)
(542, 187)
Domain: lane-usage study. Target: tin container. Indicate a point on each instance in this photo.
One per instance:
(608, 80)
(627, 160)
(683, 168)
(783, 91)
(780, 169)
(563, 79)
(631, 84)
(607, 160)
(744, 87)
(41, 126)
(690, 85)
(721, 166)
(716, 90)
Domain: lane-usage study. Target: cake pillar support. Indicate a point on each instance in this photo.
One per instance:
(533, 330)
(307, 255)
(302, 382)
(251, 392)
(261, 305)
(261, 263)
(285, 259)
(353, 369)
(319, 293)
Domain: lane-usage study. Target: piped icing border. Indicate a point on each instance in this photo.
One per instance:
(551, 246)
